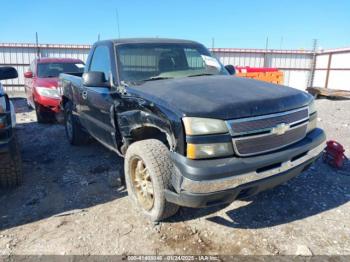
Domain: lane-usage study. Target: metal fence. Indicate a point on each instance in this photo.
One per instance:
(331, 68)
(295, 64)
(21, 55)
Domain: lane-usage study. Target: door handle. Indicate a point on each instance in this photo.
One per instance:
(84, 95)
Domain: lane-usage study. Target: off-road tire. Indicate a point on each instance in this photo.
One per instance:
(77, 136)
(156, 157)
(11, 167)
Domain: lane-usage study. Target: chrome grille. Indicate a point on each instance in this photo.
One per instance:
(268, 142)
(256, 135)
(263, 123)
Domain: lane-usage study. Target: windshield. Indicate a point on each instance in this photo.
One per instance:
(46, 70)
(146, 62)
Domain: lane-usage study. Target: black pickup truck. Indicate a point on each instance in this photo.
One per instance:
(190, 132)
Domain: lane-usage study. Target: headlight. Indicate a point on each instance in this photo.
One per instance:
(3, 119)
(204, 126)
(313, 117)
(48, 92)
(13, 115)
(200, 151)
(3, 122)
(312, 107)
(2, 104)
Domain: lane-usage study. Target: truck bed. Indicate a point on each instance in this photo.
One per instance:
(74, 78)
(69, 80)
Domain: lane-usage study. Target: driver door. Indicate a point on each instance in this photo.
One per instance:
(97, 107)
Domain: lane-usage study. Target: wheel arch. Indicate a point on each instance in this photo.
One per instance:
(150, 131)
(138, 125)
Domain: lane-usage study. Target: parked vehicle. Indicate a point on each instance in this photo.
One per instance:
(41, 84)
(191, 134)
(10, 158)
(268, 74)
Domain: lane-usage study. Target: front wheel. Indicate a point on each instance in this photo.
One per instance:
(148, 170)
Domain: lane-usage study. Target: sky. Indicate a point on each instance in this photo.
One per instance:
(291, 24)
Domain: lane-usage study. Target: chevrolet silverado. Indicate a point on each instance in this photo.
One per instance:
(191, 133)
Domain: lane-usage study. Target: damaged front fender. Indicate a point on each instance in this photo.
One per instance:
(131, 121)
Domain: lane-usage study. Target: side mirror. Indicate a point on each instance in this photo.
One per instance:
(28, 74)
(230, 69)
(8, 73)
(95, 79)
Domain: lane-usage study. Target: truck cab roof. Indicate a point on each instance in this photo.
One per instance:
(57, 60)
(147, 41)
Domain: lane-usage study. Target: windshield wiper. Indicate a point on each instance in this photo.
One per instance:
(204, 74)
(158, 78)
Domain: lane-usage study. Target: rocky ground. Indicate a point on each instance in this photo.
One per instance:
(70, 204)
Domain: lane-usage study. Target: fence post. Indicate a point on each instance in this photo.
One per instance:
(328, 69)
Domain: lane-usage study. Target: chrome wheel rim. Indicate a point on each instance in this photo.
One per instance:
(142, 183)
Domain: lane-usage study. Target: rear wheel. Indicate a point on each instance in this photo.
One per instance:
(11, 167)
(74, 132)
(148, 170)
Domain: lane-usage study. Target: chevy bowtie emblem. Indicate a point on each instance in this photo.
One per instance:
(280, 129)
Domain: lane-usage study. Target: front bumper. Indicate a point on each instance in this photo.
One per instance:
(199, 183)
(47, 103)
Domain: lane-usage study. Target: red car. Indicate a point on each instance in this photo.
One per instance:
(41, 82)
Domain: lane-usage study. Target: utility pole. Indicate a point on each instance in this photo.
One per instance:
(98, 37)
(37, 45)
(117, 20)
(265, 54)
(212, 42)
(313, 64)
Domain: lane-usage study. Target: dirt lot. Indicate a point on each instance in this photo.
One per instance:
(69, 205)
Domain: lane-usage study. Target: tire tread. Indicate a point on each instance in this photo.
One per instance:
(156, 154)
(11, 167)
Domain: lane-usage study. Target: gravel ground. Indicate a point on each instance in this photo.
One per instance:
(70, 204)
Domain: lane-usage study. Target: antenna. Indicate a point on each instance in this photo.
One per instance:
(117, 20)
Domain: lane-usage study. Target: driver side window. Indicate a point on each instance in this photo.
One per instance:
(194, 59)
(101, 61)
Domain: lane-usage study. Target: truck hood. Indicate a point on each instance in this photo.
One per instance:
(47, 82)
(221, 97)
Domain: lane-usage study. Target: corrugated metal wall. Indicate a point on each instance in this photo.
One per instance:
(296, 64)
(333, 69)
(21, 55)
